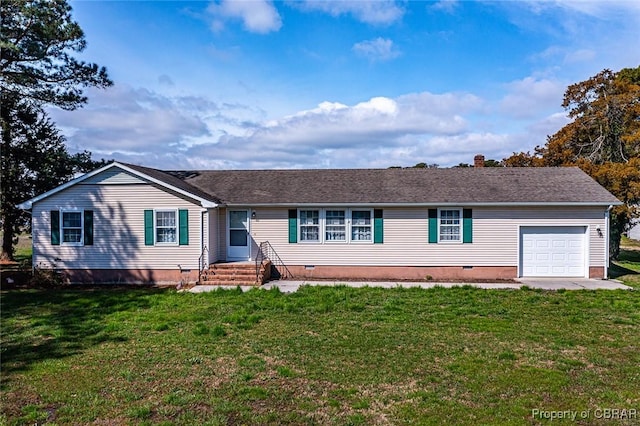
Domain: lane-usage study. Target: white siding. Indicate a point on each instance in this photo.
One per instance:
(222, 234)
(634, 231)
(118, 229)
(212, 243)
(113, 175)
(495, 238)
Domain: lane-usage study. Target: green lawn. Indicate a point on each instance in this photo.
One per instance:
(627, 267)
(319, 356)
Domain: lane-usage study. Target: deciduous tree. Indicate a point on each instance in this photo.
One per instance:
(603, 140)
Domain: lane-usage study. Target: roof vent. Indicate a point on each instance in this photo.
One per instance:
(478, 160)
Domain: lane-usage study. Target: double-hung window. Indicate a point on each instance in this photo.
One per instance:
(361, 225)
(450, 225)
(166, 227)
(335, 225)
(310, 225)
(72, 227)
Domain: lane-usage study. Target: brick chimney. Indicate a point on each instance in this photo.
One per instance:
(478, 160)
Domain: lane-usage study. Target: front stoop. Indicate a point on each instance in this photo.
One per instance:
(236, 273)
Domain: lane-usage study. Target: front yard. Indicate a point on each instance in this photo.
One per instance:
(318, 356)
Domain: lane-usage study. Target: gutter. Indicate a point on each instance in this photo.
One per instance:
(432, 204)
(202, 213)
(607, 215)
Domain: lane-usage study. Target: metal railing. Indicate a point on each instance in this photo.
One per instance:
(203, 262)
(279, 270)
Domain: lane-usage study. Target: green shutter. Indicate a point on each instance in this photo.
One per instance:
(293, 226)
(148, 227)
(467, 226)
(55, 227)
(88, 227)
(433, 226)
(378, 227)
(183, 223)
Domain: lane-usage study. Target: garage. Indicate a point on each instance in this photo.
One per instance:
(552, 251)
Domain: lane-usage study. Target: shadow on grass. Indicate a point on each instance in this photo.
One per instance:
(617, 271)
(39, 325)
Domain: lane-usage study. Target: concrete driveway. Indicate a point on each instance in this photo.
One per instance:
(290, 286)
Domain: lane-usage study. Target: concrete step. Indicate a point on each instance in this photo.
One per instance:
(231, 273)
(229, 283)
(235, 273)
(228, 277)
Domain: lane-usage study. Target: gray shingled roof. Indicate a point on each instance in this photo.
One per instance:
(463, 186)
(176, 180)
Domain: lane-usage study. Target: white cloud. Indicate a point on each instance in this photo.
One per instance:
(123, 119)
(377, 12)
(258, 16)
(380, 49)
(595, 8)
(144, 127)
(529, 96)
(448, 6)
(580, 55)
(379, 132)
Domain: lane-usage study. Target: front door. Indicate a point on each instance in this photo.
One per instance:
(238, 235)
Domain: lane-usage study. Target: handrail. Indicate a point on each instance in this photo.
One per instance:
(259, 259)
(266, 251)
(203, 262)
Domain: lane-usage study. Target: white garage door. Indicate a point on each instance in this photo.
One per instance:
(549, 251)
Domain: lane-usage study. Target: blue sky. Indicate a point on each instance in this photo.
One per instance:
(337, 84)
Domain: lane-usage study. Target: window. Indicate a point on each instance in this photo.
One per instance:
(310, 225)
(166, 227)
(361, 225)
(72, 227)
(335, 225)
(449, 225)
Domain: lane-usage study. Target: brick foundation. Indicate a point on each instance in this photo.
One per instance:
(419, 273)
(596, 272)
(129, 276)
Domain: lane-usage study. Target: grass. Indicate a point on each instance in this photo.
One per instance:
(627, 267)
(320, 356)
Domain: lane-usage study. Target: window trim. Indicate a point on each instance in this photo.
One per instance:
(320, 239)
(62, 227)
(460, 225)
(371, 227)
(348, 225)
(155, 227)
(345, 225)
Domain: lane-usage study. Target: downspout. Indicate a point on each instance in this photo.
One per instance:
(606, 241)
(202, 213)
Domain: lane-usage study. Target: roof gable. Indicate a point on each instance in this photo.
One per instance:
(166, 181)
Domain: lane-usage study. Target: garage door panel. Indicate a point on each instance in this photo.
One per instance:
(553, 251)
(559, 244)
(542, 244)
(542, 257)
(558, 257)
